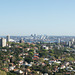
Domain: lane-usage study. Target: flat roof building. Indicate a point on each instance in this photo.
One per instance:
(2, 42)
(8, 38)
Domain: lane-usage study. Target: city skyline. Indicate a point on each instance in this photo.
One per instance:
(24, 17)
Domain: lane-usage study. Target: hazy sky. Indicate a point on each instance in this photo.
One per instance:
(25, 17)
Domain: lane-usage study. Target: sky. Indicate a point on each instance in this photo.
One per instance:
(25, 17)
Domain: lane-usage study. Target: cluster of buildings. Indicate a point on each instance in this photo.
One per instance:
(50, 59)
(43, 38)
(3, 41)
(71, 42)
(36, 57)
(33, 38)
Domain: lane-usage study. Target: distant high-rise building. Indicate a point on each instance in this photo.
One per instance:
(32, 35)
(21, 41)
(69, 43)
(2, 42)
(59, 40)
(73, 41)
(8, 38)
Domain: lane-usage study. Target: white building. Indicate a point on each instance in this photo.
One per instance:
(20, 71)
(73, 41)
(45, 74)
(2, 42)
(69, 43)
(45, 47)
(11, 68)
(59, 40)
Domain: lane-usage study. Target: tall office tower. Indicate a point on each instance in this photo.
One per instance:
(69, 43)
(59, 40)
(21, 41)
(2, 42)
(73, 41)
(8, 38)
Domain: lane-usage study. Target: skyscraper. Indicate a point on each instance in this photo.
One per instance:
(2, 42)
(73, 40)
(8, 38)
(59, 40)
(69, 43)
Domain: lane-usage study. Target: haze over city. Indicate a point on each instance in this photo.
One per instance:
(37, 37)
(25, 17)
